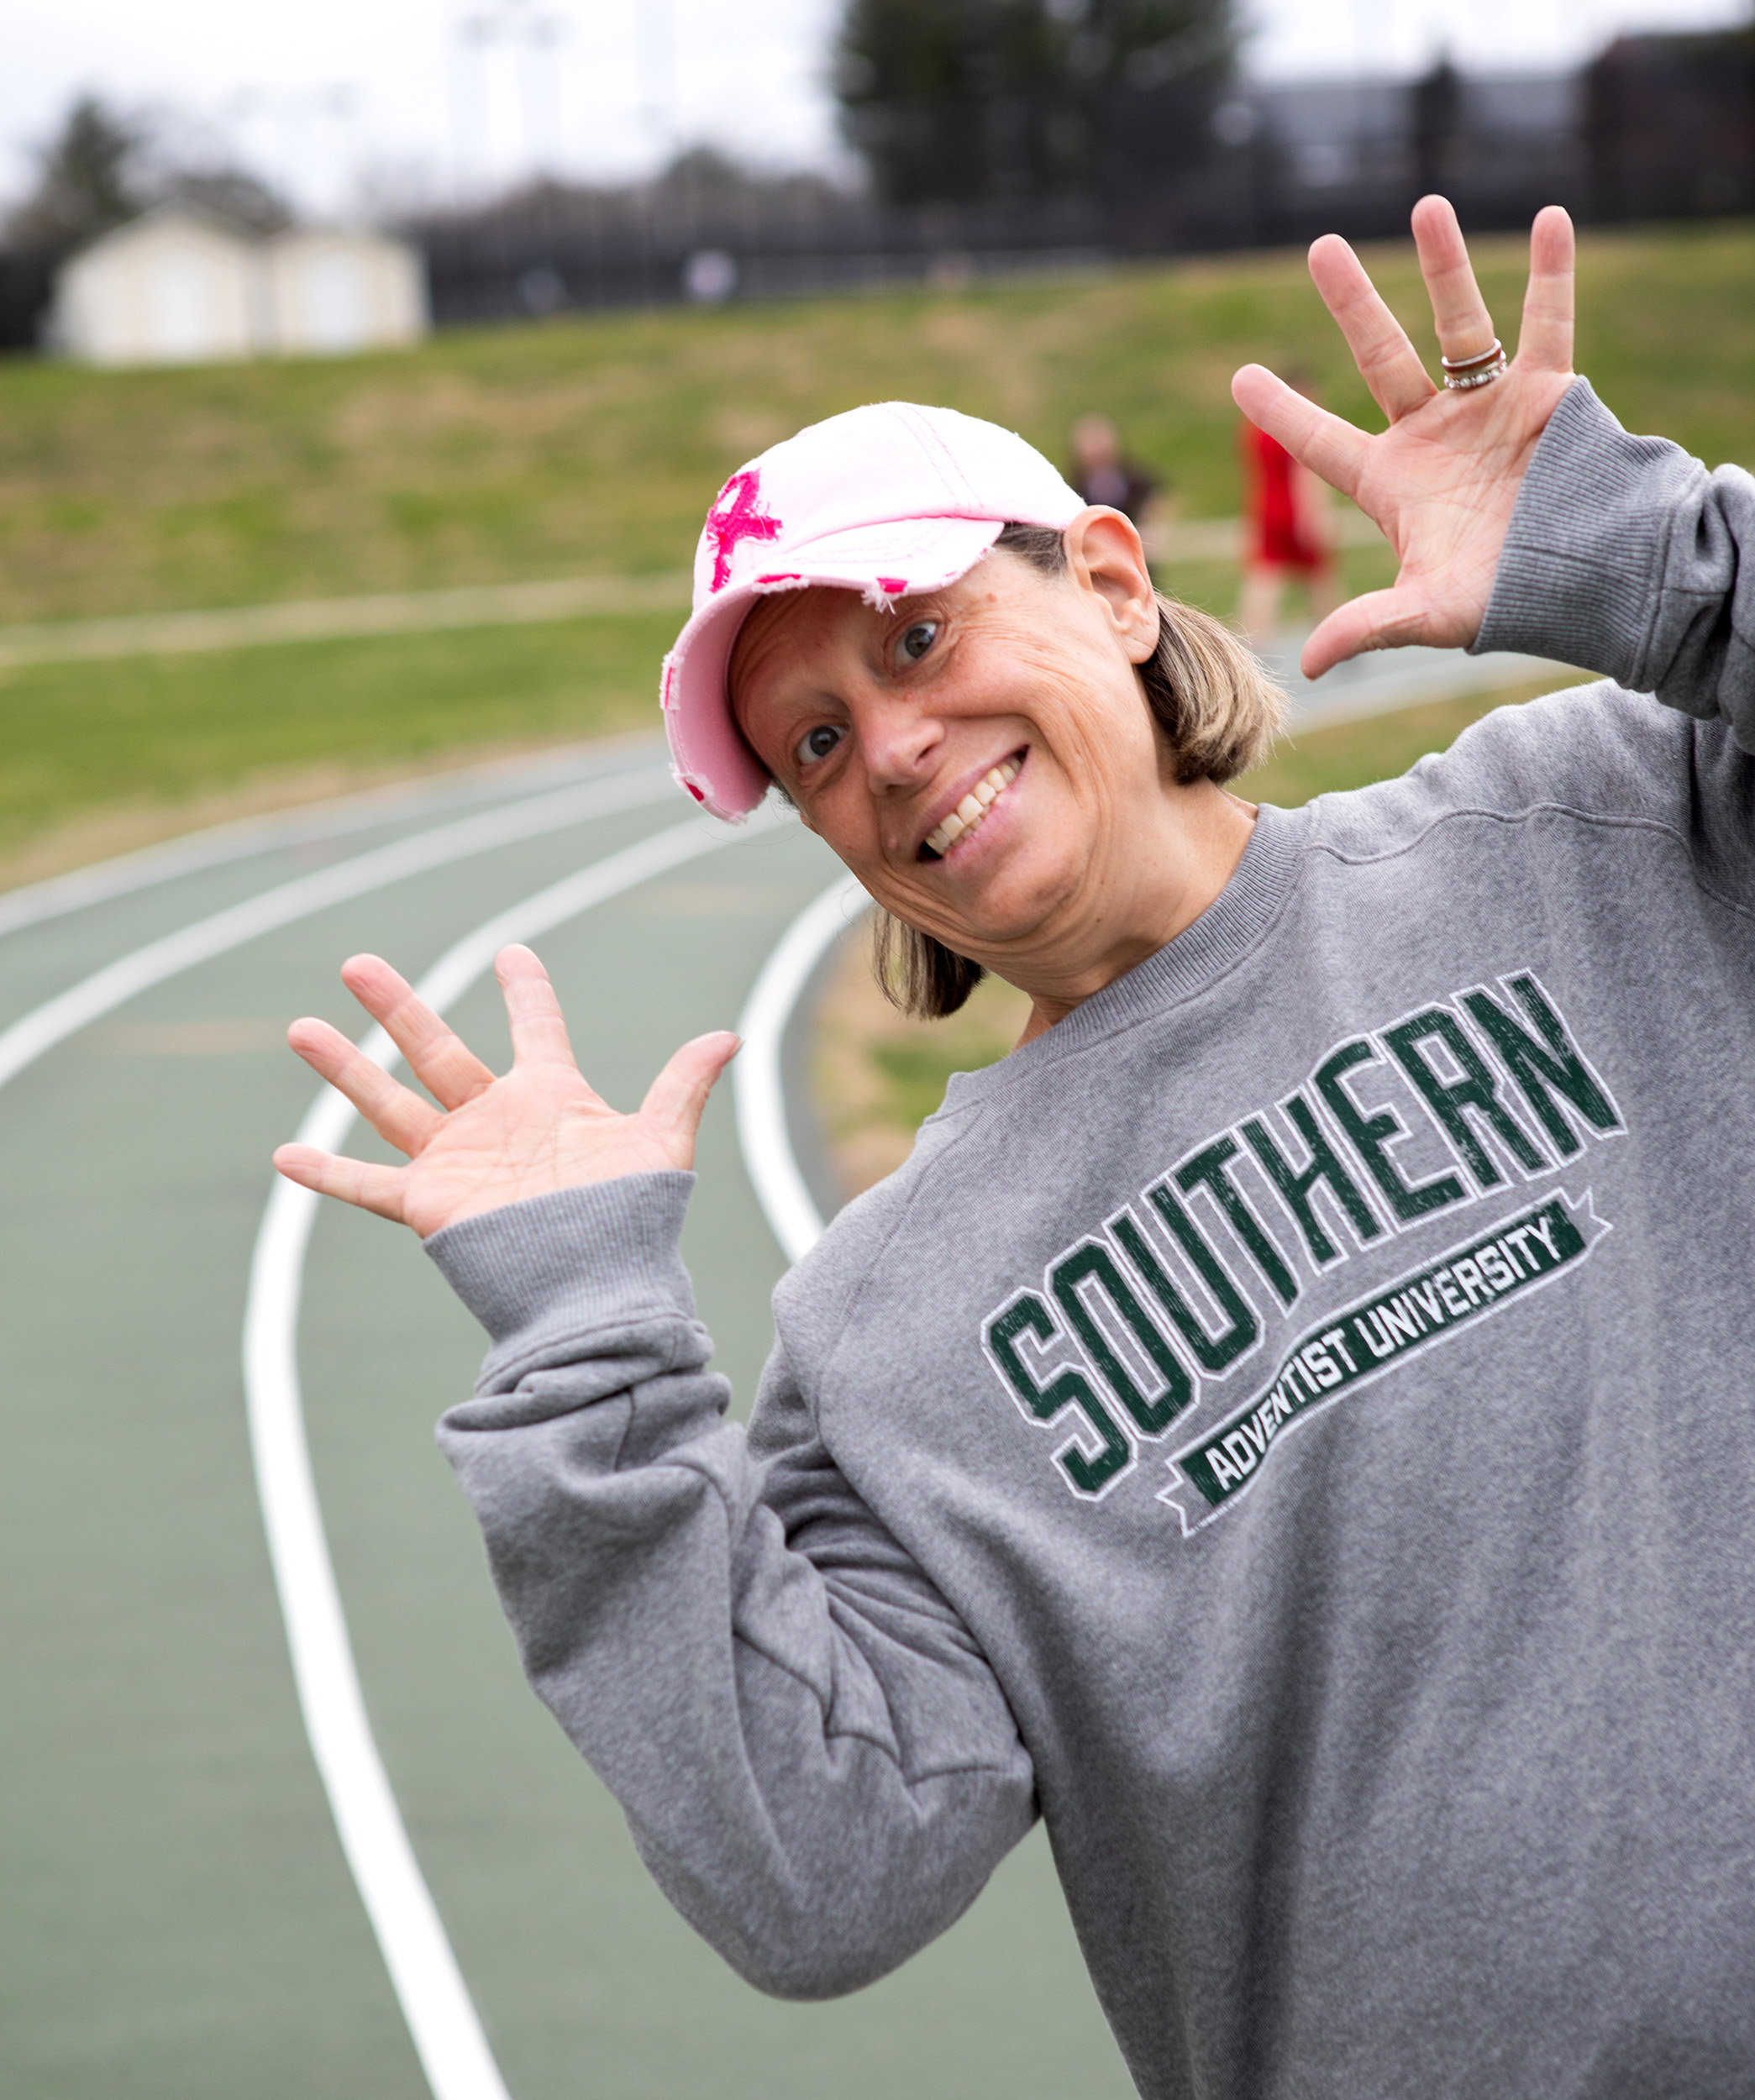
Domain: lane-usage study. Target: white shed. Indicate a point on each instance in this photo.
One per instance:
(180, 287)
(175, 287)
(330, 291)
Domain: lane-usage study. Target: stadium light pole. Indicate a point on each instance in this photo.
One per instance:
(475, 33)
(308, 127)
(655, 48)
(458, 70)
(540, 35)
(534, 34)
(335, 107)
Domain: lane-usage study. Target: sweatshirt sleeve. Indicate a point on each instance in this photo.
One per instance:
(1625, 556)
(814, 1757)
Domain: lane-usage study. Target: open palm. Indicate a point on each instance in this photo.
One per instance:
(1440, 482)
(492, 1140)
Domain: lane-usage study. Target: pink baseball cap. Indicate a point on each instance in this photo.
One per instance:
(886, 500)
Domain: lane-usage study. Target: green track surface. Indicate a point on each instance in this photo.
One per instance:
(180, 1920)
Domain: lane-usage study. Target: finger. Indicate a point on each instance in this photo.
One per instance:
(1389, 364)
(1380, 620)
(394, 1111)
(1464, 326)
(677, 1096)
(355, 1181)
(445, 1065)
(1327, 445)
(1545, 342)
(539, 1027)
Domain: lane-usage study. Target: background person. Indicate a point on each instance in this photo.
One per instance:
(1103, 473)
(1288, 1423)
(1289, 527)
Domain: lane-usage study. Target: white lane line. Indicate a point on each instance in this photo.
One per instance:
(756, 1081)
(96, 995)
(436, 2000)
(1385, 682)
(222, 843)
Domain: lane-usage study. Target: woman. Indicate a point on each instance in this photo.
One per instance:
(1287, 1425)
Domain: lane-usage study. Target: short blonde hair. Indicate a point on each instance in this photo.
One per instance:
(1216, 707)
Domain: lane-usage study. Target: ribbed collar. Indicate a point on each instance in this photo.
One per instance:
(1228, 928)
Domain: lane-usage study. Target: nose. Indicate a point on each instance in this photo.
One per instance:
(898, 739)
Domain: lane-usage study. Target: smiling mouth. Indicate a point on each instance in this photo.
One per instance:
(971, 810)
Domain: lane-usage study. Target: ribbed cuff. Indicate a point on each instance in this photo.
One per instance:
(1579, 576)
(571, 1262)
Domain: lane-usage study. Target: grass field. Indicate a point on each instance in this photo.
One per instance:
(144, 740)
(591, 444)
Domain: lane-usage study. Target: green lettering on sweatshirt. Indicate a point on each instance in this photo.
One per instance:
(1355, 1345)
(1089, 1472)
(1131, 1320)
(1089, 1273)
(1544, 1062)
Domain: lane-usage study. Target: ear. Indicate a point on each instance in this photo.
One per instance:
(1104, 556)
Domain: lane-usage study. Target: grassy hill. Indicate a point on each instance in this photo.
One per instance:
(593, 444)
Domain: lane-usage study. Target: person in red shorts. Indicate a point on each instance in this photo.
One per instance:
(1290, 530)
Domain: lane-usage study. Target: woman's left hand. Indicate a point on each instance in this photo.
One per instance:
(1440, 483)
(490, 1141)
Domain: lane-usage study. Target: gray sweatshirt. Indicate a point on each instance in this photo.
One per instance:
(1287, 1426)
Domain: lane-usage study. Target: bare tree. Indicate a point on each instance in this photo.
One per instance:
(90, 176)
(105, 166)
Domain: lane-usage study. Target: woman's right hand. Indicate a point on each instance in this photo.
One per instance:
(491, 1140)
(1442, 481)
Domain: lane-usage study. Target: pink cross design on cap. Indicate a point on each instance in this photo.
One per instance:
(738, 515)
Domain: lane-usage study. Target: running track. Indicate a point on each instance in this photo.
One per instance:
(280, 1817)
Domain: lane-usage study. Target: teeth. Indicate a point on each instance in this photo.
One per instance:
(973, 806)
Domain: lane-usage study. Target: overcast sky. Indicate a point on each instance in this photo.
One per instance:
(314, 93)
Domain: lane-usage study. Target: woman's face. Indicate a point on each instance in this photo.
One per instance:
(981, 756)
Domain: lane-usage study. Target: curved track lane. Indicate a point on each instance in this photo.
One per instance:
(182, 1917)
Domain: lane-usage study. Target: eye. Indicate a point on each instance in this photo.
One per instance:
(817, 743)
(918, 639)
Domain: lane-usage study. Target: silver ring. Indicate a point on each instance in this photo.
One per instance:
(1463, 374)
